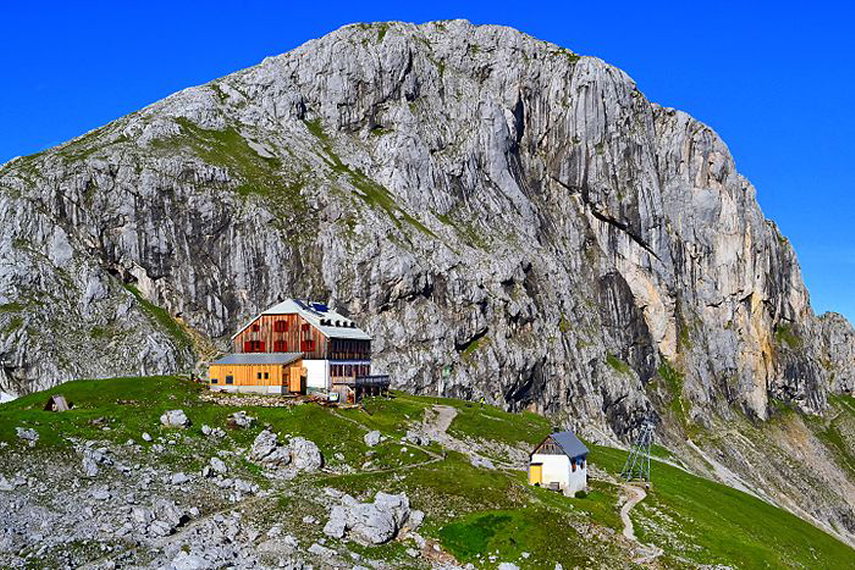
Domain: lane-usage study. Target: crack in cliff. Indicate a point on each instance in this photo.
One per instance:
(608, 219)
(624, 228)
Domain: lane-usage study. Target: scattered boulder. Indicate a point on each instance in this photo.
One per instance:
(372, 438)
(29, 435)
(305, 455)
(178, 478)
(10, 485)
(186, 561)
(321, 551)
(93, 458)
(218, 466)
(146, 436)
(369, 523)
(175, 419)
(508, 566)
(164, 518)
(100, 493)
(240, 420)
(415, 519)
(417, 438)
(267, 451)
(213, 432)
(300, 454)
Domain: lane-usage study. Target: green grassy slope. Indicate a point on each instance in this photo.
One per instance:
(473, 512)
(705, 522)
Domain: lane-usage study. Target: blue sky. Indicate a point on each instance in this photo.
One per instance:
(774, 79)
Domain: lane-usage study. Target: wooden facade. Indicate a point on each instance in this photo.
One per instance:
(292, 333)
(548, 447)
(292, 375)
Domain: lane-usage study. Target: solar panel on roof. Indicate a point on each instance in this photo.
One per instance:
(320, 307)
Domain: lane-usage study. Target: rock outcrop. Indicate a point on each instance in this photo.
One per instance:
(376, 522)
(299, 454)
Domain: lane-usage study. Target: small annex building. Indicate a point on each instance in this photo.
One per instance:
(559, 462)
(263, 373)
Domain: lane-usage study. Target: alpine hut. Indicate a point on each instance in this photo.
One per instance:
(299, 346)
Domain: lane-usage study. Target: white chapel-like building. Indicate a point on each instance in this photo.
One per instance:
(560, 462)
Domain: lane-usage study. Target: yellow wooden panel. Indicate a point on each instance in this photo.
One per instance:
(535, 474)
(247, 375)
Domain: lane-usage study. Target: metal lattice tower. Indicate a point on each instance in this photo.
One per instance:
(637, 466)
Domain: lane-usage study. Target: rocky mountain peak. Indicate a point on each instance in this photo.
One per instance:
(508, 219)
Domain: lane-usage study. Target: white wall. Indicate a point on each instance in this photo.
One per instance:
(578, 480)
(557, 469)
(318, 374)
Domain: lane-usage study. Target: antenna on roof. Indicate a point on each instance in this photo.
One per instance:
(637, 466)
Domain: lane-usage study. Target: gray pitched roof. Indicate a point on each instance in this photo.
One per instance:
(260, 358)
(569, 443)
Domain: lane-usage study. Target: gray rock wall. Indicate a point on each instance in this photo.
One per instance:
(507, 218)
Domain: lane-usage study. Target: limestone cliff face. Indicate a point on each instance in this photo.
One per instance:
(507, 218)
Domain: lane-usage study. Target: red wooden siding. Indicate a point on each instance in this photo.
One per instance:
(281, 333)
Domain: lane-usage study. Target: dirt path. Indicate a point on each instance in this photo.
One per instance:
(435, 426)
(445, 415)
(636, 495)
(644, 553)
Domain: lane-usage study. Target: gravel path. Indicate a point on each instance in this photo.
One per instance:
(644, 553)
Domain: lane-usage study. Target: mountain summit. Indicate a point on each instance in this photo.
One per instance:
(508, 219)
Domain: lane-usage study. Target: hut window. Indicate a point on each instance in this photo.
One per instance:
(307, 345)
(259, 378)
(214, 381)
(280, 346)
(305, 327)
(266, 375)
(280, 326)
(255, 328)
(254, 346)
(230, 379)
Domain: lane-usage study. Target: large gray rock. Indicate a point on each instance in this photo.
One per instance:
(305, 455)
(266, 450)
(174, 419)
(370, 523)
(92, 458)
(372, 438)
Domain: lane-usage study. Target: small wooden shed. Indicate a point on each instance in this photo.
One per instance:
(57, 403)
(263, 373)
